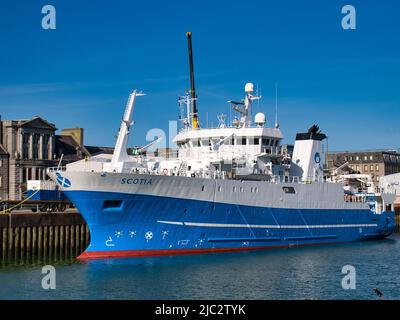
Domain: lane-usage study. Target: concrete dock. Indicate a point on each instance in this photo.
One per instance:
(42, 236)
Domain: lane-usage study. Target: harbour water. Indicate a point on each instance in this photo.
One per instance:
(294, 273)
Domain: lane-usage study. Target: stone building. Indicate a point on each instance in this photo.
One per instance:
(377, 163)
(30, 146)
(4, 159)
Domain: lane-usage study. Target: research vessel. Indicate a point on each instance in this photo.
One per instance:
(228, 188)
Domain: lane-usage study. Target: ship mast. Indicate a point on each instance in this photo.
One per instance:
(195, 122)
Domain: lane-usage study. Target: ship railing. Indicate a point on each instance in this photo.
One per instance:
(312, 179)
(296, 179)
(285, 179)
(207, 174)
(358, 198)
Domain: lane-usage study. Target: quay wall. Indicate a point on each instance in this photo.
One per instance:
(44, 236)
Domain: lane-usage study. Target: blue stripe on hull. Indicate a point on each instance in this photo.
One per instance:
(140, 222)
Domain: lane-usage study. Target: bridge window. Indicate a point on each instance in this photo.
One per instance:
(254, 141)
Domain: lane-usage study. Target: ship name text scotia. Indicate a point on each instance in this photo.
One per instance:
(136, 181)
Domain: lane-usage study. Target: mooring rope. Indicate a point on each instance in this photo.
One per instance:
(18, 204)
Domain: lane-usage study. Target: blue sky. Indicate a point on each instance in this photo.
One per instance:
(81, 74)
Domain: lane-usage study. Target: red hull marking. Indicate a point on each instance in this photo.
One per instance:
(89, 255)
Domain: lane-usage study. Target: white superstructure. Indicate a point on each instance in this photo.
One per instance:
(243, 150)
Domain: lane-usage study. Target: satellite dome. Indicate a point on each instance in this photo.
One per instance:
(249, 87)
(260, 119)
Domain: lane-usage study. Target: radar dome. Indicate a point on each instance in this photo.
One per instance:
(259, 119)
(249, 87)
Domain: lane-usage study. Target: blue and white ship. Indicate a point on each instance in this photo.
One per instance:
(228, 189)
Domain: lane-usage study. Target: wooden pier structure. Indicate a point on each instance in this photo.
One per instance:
(42, 236)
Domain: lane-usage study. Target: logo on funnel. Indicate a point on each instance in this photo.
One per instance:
(317, 158)
(64, 182)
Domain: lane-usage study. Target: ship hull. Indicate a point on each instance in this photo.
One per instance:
(130, 224)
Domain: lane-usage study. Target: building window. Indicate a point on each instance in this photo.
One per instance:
(45, 149)
(371, 168)
(35, 149)
(357, 168)
(376, 168)
(351, 158)
(377, 178)
(371, 158)
(357, 158)
(346, 158)
(1, 181)
(366, 168)
(256, 141)
(244, 142)
(365, 158)
(25, 146)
